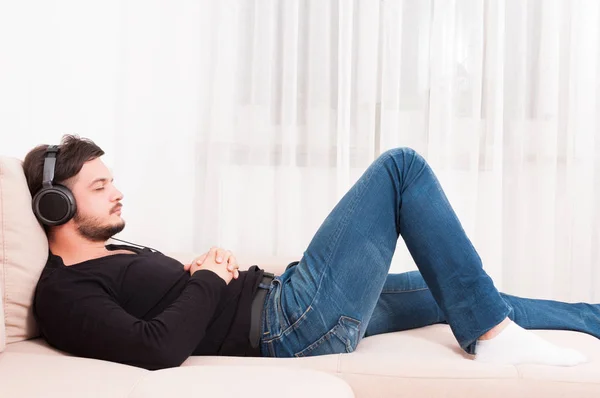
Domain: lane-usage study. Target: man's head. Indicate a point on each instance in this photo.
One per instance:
(80, 169)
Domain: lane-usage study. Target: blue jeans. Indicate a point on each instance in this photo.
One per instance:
(340, 291)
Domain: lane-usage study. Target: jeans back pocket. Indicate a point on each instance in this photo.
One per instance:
(342, 338)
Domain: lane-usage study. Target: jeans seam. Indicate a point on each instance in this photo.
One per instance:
(271, 349)
(403, 291)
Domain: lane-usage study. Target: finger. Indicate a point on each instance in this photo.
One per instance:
(232, 259)
(232, 267)
(201, 259)
(223, 256)
(220, 255)
(186, 267)
(211, 254)
(232, 262)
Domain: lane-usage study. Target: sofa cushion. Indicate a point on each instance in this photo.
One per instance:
(241, 381)
(23, 251)
(60, 376)
(31, 375)
(428, 362)
(37, 346)
(421, 362)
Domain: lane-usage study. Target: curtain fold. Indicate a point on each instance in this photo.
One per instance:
(241, 123)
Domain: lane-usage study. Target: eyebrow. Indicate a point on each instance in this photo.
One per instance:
(103, 179)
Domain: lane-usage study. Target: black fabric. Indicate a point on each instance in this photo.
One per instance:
(143, 309)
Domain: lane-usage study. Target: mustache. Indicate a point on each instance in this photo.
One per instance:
(117, 207)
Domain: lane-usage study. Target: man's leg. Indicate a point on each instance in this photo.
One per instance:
(407, 303)
(330, 295)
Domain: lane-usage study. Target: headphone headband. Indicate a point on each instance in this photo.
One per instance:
(49, 164)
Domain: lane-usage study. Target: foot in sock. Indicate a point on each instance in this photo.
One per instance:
(515, 345)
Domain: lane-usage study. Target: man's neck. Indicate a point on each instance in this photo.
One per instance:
(74, 248)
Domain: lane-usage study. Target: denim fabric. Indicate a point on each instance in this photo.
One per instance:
(340, 291)
(407, 294)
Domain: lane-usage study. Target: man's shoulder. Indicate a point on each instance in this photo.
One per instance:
(56, 277)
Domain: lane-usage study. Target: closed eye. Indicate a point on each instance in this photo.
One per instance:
(99, 189)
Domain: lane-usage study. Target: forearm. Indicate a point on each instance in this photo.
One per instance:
(94, 325)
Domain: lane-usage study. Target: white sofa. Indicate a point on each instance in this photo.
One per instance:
(421, 362)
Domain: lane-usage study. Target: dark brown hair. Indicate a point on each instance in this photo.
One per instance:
(72, 154)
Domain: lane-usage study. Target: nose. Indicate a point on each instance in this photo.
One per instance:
(118, 195)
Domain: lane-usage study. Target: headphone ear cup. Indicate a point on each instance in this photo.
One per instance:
(54, 205)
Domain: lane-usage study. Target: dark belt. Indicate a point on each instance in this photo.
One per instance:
(257, 307)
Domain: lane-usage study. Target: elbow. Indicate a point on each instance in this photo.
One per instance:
(164, 358)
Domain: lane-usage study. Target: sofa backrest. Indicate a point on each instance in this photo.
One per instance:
(23, 253)
(2, 324)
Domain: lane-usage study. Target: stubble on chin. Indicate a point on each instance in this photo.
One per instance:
(92, 229)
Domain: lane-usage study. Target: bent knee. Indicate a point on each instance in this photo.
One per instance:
(402, 156)
(401, 152)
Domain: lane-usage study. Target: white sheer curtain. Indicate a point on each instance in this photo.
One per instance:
(241, 123)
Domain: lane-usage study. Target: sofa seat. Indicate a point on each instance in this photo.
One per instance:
(422, 362)
(428, 362)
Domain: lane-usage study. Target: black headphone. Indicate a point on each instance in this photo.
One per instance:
(53, 204)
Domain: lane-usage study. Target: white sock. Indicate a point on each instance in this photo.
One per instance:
(515, 345)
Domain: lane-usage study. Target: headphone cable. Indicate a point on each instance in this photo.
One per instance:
(135, 244)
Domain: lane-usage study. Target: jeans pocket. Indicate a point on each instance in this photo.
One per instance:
(342, 338)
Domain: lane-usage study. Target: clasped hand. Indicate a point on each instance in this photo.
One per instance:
(220, 261)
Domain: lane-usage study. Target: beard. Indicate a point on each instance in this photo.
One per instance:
(92, 228)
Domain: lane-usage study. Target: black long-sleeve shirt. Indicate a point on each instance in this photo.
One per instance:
(143, 309)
